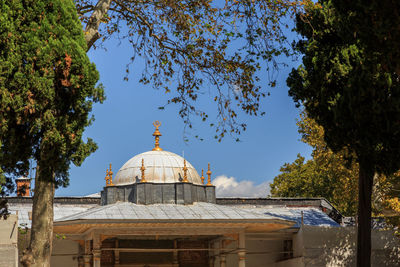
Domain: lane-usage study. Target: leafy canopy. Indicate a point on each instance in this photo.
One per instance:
(47, 88)
(349, 81)
(327, 174)
(194, 47)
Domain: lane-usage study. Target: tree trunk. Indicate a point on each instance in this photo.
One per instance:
(38, 253)
(365, 182)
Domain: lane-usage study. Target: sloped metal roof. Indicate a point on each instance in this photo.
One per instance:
(122, 210)
(311, 216)
(60, 210)
(197, 211)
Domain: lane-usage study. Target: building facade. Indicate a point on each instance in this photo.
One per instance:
(158, 211)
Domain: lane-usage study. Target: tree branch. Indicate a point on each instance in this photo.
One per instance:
(92, 28)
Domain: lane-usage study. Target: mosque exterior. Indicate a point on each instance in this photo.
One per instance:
(158, 211)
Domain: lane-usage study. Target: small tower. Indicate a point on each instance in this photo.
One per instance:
(23, 186)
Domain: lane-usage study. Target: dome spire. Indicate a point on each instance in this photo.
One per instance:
(157, 135)
(109, 178)
(209, 175)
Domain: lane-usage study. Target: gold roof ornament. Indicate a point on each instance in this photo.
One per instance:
(157, 135)
(202, 176)
(209, 175)
(185, 179)
(110, 174)
(142, 169)
(107, 178)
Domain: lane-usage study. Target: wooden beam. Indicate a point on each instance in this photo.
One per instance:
(162, 249)
(165, 231)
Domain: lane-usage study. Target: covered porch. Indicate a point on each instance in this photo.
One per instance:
(196, 235)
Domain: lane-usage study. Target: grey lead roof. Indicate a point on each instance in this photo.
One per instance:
(311, 216)
(197, 211)
(60, 210)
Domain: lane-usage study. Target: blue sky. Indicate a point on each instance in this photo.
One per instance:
(123, 128)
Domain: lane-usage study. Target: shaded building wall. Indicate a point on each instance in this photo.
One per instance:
(9, 241)
(258, 253)
(336, 246)
(65, 252)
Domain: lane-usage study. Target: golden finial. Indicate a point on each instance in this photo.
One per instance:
(157, 135)
(202, 176)
(209, 175)
(107, 178)
(185, 179)
(143, 180)
(110, 173)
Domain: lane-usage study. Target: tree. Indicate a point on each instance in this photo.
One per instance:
(334, 176)
(198, 44)
(47, 88)
(349, 83)
(195, 43)
(327, 174)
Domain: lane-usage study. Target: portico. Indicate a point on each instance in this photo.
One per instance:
(167, 235)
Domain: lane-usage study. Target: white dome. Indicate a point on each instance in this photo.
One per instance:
(161, 167)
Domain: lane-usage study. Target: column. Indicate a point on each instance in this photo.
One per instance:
(96, 257)
(242, 250)
(222, 255)
(211, 257)
(96, 249)
(175, 261)
(86, 260)
(116, 253)
(222, 259)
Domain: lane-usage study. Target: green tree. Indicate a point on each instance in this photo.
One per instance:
(349, 83)
(334, 176)
(47, 88)
(327, 174)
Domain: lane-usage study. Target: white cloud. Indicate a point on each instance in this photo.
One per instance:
(229, 187)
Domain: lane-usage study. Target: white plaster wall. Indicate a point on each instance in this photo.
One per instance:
(295, 262)
(335, 247)
(9, 241)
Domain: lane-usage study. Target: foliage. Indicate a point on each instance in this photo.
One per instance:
(334, 177)
(194, 47)
(329, 175)
(47, 87)
(349, 83)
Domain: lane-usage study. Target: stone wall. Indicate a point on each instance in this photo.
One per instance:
(156, 193)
